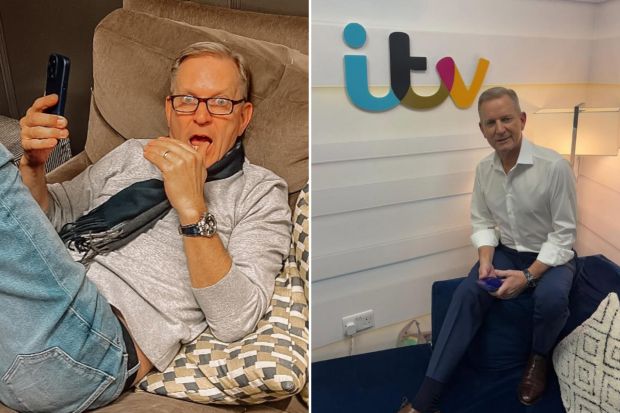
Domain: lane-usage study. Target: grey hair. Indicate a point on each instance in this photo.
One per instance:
(498, 92)
(218, 50)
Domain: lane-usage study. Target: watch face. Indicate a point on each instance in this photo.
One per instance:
(208, 225)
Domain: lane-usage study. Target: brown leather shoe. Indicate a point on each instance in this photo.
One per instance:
(408, 408)
(534, 379)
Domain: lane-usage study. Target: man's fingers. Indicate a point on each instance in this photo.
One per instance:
(154, 155)
(171, 144)
(202, 151)
(501, 273)
(43, 132)
(44, 119)
(40, 144)
(44, 102)
(176, 150)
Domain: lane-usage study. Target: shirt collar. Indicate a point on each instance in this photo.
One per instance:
(525, 156)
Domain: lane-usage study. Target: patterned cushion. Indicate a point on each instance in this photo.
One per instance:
(269, 364)
(587, 362)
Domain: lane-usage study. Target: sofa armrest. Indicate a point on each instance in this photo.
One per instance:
(69, 169)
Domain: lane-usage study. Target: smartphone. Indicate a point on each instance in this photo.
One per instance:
(491, 284)
(57, 81)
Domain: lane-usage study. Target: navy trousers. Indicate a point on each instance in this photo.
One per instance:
(470, 304)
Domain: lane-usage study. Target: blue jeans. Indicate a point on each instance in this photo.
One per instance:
(61, 346)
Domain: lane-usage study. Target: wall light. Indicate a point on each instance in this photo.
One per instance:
(577, 131)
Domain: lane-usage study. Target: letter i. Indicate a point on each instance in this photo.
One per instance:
(356, 74)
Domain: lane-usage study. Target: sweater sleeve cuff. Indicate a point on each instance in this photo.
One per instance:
(229, 305)
(485, 237)
(553, 255)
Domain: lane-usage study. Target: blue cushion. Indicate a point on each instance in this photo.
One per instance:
(597, 276)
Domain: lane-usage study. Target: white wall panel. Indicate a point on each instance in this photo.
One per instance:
(605, 60)
(518, 17)
(343, 232)
(350, 173)
(389, 252)
(378, 194)
(395, 292)
(589, 243)
(598, 207)
(602, 169)
(393, 168)
(375, 150)
(606, 20)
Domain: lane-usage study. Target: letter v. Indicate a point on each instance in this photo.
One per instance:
(451, 77)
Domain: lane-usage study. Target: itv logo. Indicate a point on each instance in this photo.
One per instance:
(401, 65)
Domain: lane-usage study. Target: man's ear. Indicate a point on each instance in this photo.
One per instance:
(247, 110)
(523, 119)
(480, 126)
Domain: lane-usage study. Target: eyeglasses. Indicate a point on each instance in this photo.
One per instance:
(215, 106)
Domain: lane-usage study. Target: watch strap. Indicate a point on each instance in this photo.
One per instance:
(531, 281)
(205, 227)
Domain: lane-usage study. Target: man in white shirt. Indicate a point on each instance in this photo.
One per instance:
(524, 214)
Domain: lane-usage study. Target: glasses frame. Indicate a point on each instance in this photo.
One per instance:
(206, 101)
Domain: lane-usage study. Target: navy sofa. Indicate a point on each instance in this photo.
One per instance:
(487, 378)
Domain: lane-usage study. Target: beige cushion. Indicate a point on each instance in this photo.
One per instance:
(587, 362)
(132, 56)
(269, 364)
(291, 31)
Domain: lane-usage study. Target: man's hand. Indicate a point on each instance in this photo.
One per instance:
(40, 132)
(514, 283)
(486, 270)
(485, 259)
(184, 176)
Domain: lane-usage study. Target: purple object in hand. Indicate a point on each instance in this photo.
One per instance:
(491, 284)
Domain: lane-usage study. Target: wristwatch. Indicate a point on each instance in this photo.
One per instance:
(205, 227)
(531, 282)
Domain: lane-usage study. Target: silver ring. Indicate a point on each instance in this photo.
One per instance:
(163, 155)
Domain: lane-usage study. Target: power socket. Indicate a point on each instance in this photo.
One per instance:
(355, 323)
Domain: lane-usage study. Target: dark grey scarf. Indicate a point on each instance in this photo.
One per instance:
(133, 211)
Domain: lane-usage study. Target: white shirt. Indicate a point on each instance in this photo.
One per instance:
(532, 208)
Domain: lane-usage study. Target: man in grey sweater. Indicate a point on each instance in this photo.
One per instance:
(75, 330)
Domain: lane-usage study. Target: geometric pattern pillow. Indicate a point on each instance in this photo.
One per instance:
(268, 364)
(587, 362)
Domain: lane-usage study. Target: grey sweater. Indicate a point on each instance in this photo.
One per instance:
(148, 279)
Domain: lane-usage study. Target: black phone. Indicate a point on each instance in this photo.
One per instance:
(57, 81)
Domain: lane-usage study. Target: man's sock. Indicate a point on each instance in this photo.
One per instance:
(427, 399)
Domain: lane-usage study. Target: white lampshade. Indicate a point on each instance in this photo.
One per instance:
(598, 131)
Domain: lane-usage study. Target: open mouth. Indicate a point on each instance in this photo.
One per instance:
(199, 140)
